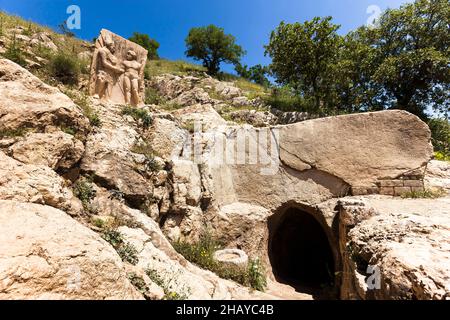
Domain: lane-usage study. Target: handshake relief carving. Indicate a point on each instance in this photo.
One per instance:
(117, 70)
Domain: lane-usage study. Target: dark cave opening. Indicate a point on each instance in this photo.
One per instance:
(300, 252)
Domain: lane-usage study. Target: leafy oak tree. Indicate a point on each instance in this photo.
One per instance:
(146, 42)
(304, 56)
(402, 62)
(212, 46)
(411, 55)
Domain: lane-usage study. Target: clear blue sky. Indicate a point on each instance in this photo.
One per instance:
(169, 21)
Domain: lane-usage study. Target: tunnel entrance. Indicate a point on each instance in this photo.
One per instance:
(300, 252)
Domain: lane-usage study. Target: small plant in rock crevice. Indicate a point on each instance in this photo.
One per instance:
(12, 133)
(138, 282)
(152, 96)
(138, 114)
(15, 53)
(82, 100)
(169, 294)
(425, 194)
(84, 190)
(150, 164)
(125, 250)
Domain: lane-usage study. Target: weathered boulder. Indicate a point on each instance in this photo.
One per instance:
(437, 175)
(171, 86)
(244, 226)
(255, 118)
(47, 255)
(405, 241)
(109, 156)
(166, 137)
(203, 115)
(26, 102)
(57, 150)
(384, 145)
(36, 184)
(43, 39)
(186, 183)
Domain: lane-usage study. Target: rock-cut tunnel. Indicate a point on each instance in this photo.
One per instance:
(300, 252)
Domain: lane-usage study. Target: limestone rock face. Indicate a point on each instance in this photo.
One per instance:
(36, 184)
(383, 145)
(408, 240)
(57, 150)
(187, 184)
(26, 102)
(167, 137)
(255, 118)
(205, 115)
(109, 157)
(47, 255)
(437, 175)
(244, 226)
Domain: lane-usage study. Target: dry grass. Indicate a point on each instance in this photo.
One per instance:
(159, 67)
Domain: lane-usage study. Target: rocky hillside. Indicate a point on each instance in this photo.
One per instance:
(98, 200)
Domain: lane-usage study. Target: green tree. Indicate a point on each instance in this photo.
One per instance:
(411, 56)
(257, 74)
(304, 56)
(146, 42)
(212, 46)
(440, 135)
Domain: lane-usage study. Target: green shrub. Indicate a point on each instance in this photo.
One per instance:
(441, 157)
(125, 250)
(257, 275)
(99, 223)
(128, 253)
(69, 130)
(152, 165)
(143, 148)
(138, 282)
(82, 100)
(425, 194)
(140, 115)
(202, 252)
(94, 119)
(12, 133)
(65, 68)
(14, 53)
(113, 237)
(153, 97)
(165, 285)
(84, 190)
(285, 100)
(440, 136)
